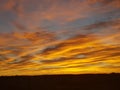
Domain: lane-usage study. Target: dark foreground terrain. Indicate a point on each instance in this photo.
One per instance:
(62, 82)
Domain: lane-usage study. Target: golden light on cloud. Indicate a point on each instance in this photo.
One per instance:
(80, 54)
(61, 44)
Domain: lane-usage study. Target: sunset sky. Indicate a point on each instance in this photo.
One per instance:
(39, 37)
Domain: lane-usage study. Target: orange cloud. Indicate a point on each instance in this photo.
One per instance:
(80, 54)
(33, 50)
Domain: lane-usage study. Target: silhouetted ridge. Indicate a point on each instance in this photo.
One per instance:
(62, 82)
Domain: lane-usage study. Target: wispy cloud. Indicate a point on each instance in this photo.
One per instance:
(60, 37)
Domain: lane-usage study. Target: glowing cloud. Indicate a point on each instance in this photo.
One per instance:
(59, 37)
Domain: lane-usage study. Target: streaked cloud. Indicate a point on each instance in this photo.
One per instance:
(59, 37)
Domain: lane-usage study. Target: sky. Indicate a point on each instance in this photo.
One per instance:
(43, 37)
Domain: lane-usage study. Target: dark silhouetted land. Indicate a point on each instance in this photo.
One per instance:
(62, 82)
